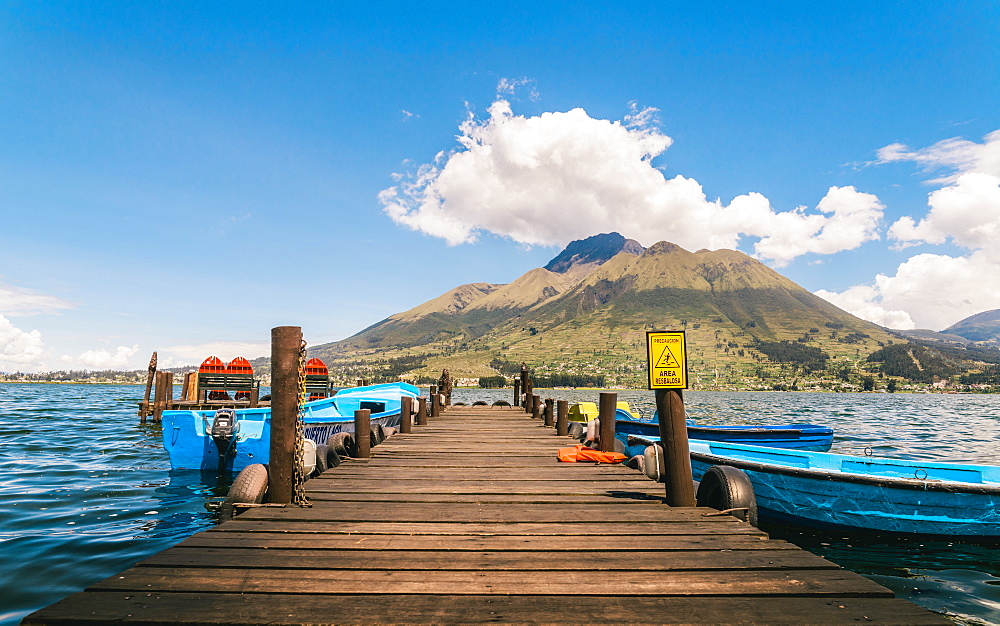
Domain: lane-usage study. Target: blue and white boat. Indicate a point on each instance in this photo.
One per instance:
(791, 436)
(862, 493)
(188, 435)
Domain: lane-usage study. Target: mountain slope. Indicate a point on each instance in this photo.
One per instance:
(592, 314)
(983, 326)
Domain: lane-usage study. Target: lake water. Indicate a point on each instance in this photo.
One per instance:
(86, 492)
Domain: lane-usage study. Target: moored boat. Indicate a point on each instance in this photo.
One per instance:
(792, 436)
(862, 493)
(241, 437)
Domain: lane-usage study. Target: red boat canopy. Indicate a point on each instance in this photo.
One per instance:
(212, 365)
(239, 365)
(316, 367)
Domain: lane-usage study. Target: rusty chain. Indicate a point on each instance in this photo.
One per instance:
(298, 475)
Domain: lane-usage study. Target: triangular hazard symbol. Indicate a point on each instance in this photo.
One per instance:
(667, 359)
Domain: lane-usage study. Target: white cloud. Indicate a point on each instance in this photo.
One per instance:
(555, 177)
(862, 301)
(935, 290)
(967, 212)
(102, 359)
(19, 349)
(928, 291)
(20, 301)
(956, 154)
(225, 350)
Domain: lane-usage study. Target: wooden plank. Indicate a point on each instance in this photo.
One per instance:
(317, 497)
(441, 560)
(486, 512)
(498, 528)
(457, 543)
(488, 582)
(287, 609)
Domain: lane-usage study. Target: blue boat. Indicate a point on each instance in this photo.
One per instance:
(791, 436)
(246, 439)
(862, 493)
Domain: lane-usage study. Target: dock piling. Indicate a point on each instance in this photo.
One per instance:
(562, 418)
(606, 411)
(406, 414)
(286, 341)
(550, 411)
(676, 452)
(363, 433)
(421, 411)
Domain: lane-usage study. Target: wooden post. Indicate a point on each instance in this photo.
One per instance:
(254, 397)
(550, 405)
(517, 392)
(406, 414)
(285, 344)
(363, 433)
(144, 407)
(606, 411)
(562, 418)
(433, 399)
(676, 453)
(524, 385)
(189, 392)
(159, 396)
(421, 411)
(168, 397)
(536, 406)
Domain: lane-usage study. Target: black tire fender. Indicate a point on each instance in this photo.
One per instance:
(728, 489)
(322, 456)
(575, 430)
(343, 444)
(250, 485)
(377, 434)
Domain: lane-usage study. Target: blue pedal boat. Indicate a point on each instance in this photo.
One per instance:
(188, 440)
(791, 436)
(862, 493)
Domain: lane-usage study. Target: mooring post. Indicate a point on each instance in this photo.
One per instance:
(606, 411)
(517, 392)
(286, 341)
(144, 407)
(433, 397)
(159, 396)
(168, 383)
(363, 432)
(421, 411)
(676, 452)
(406, 414)
(550, 413)
(536, 406)
(562, 418)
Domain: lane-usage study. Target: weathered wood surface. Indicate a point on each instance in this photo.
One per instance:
(471, 519)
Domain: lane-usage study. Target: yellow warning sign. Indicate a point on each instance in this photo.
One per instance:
(666, 352)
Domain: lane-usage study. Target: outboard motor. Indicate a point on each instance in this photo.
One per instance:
(222, 431)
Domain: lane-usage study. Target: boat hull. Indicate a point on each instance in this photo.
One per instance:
(863, 493)
(189, 446)
(790, 436)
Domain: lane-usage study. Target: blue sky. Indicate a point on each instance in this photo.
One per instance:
(183, 177)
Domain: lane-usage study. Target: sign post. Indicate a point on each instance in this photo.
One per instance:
(666, 352)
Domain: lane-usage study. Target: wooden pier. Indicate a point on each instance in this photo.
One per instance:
(471, 519)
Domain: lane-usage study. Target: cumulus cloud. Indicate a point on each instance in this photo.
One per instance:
(559, 176)
(102, 359)
(967, 212)
(20, 301)
(928, 291)
(20, 349)
(861, 301)
(935, 290)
